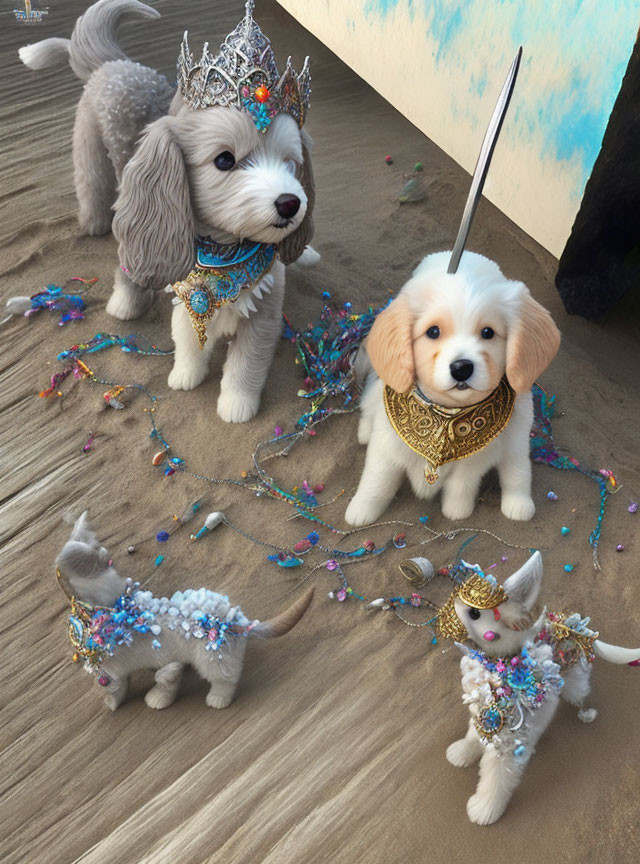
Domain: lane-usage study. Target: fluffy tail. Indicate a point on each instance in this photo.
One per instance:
(93, 41)
(616, 654)
(286, 620)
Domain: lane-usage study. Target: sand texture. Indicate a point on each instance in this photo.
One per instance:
(334, 748)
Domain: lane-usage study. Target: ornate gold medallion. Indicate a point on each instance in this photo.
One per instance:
(444, 435)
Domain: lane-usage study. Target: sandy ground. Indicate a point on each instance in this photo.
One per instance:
(334, 748)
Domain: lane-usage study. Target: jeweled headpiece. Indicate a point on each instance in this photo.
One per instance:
(479, 590)
(245, 74)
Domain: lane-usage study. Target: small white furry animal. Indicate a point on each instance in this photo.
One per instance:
(198, 628)
(454, 336)
(182, 174)
(513, 684)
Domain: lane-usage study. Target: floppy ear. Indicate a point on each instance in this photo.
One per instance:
(389, 345)
(524, 585)
(532, 343)
(153, 221)
(292, 246)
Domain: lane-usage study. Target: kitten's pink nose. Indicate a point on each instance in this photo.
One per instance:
(490, 636)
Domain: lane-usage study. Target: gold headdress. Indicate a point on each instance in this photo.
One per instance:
(478, 591)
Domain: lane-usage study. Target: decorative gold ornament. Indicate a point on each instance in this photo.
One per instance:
(476, 592)
(443, 435)
(571, 645)
(221, 274)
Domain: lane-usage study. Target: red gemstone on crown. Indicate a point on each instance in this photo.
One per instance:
(262, 93)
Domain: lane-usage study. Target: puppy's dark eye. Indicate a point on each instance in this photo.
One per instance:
(487, 333)
(474, 614)
(225, 161)
(433, 332)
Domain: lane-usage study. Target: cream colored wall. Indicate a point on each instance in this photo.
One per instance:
(442, 63)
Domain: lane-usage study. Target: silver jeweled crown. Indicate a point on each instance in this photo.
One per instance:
(244, 74)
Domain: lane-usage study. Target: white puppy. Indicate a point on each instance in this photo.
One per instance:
(196, 628)
(513, 683)
(453, 337)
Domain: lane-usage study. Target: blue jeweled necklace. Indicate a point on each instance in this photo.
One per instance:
(222, 271)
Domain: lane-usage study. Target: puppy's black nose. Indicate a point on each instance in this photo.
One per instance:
(287, 206)
(461, 369)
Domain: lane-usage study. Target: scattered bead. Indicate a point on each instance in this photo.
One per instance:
(388, 159)
(158, 560)
(400, 541)
(318, 488)
(162, 536)
(159, 457)
(104, 680)
(341, 596)
(568, 568)
(277, 432)
(423, 520)
(564, 530)
(503, 558)
(131, 549)
(552, 496)
(169, 471)
(620, 547)
(633, 507)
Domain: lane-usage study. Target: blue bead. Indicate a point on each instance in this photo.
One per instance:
(199, 302)
(564, 530)
(568, 568)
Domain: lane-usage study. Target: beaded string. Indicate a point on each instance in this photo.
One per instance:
(543, 449)
(326, 350)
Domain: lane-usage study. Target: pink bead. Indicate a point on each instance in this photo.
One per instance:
(103, 680)
(319, 487)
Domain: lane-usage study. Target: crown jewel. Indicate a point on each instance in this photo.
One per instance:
(244, 74)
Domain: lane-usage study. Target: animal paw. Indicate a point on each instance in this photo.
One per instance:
(187, 376)
(587, 715)
(95, 224)
(219, 700)
(462, 754)
(518, 507)
(129, 303)
(238, 407)
(361, 512)
(457, 507)
(113, 701)
(485, 811)
(160, 697)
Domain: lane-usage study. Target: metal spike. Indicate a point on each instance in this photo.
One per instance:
(484, 160)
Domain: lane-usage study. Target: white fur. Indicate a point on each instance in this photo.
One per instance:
(500, 772)
(93, 579)
(477, 296)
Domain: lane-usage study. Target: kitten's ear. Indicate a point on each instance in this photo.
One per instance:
(82, 555)
(524, 585)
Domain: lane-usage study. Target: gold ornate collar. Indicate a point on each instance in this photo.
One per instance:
(442, 435)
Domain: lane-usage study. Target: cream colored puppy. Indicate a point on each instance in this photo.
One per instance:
(454, 337)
